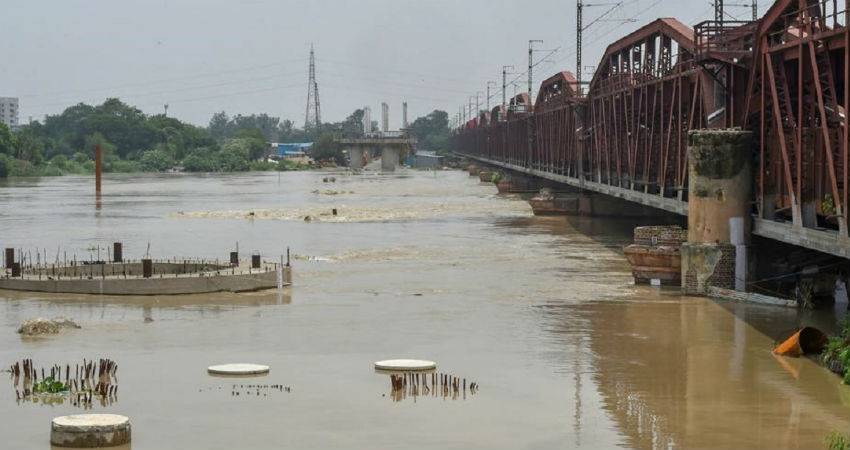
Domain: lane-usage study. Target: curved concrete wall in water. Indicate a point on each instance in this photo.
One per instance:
(167, 285)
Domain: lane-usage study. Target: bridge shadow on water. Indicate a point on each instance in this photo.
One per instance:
(612, 232)
(615, 233)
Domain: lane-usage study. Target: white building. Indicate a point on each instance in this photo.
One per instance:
(9, 111)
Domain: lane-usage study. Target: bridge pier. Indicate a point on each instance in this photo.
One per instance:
(519, 184)
(719, 216)
(389, 158)
(563, 200)
(389, 146)
(355, 157)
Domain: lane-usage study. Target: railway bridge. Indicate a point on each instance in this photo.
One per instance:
(777, 87)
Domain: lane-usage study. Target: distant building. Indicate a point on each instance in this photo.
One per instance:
(425, 159)
(9, 111)
(295, 151)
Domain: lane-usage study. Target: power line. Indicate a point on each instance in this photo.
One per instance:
(402, 72)
(380, 81)
(385, 93)
(215, 96)
(163, 80)
(184, 89)
(232, 94)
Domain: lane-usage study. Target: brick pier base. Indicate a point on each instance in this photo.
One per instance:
(707, 265)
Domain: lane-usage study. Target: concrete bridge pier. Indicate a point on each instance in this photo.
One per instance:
(516, 183)
(355, 157)
(719, 210)
(389, 158)
(570, 201)
(389, 147)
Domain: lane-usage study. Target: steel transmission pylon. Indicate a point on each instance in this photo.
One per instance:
(313, 118)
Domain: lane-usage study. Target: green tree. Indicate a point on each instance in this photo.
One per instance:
(219, 125)
(231, 160)
(201, 160)
(325, 149)
(8, 141)
(254, 142)
(59, 161)
(80, 158)
(432, 131)
(234, 155)
(156, 160)
(352, 126)
(267, 126)
(29, 148)
(4, 165)
(285, 131)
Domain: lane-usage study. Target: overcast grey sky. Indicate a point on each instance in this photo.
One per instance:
(203, 56)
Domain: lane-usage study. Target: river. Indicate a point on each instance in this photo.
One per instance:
(540, 312)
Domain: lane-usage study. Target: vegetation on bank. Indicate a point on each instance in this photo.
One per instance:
(135, 142)
(836, 355)
(835, 440)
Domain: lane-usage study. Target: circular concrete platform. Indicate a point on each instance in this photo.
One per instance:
(238, 369)
(90, 430)
(405, 365)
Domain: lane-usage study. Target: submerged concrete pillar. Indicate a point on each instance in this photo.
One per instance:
(389, 158)
(355, 157)
(485, 175)
(117, 252)
(147, 268)
(90, 430)
(719, 222)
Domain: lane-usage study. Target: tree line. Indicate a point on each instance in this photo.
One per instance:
(132, 141)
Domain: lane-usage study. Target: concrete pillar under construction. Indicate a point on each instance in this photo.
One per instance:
(355, 157)
(389, 158)
(719, 192)
(90, 430)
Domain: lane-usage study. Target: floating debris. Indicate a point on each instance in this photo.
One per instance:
(805, 341)
(331, 192)
(89, 382)
(39, 325)
(251, 390)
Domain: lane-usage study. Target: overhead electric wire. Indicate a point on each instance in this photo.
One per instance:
(184, 89)
(378, 81)
(572, 50)
(231, 94)
(164, 80)
(391, 94)
(402, 72)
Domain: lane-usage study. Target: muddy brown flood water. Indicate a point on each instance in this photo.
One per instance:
(540, 312)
